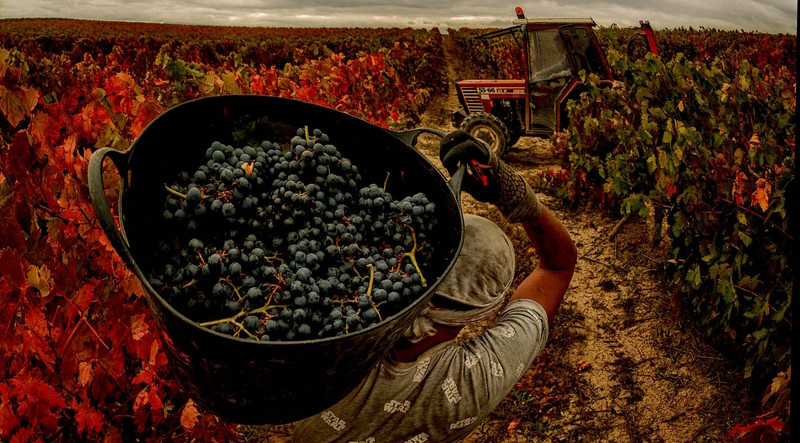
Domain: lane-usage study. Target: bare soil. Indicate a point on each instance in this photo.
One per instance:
(618, 366)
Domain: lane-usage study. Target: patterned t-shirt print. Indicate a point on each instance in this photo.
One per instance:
(451, 390)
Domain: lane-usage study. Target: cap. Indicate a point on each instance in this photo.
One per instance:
(475, 287)
(483, 271)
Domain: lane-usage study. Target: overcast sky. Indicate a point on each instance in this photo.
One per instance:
(750, 15)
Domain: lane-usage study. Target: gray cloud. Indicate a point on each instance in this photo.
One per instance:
(750, 15)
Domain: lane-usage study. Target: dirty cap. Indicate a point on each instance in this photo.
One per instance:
(476, 285)
(483, 271)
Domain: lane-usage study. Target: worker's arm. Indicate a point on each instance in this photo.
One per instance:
(557, 257)
(493, 181)
(560, 69)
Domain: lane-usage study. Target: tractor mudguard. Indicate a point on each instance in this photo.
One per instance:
(458, 116)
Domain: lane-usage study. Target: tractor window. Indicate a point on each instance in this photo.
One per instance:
(547, 57)
(583, 51)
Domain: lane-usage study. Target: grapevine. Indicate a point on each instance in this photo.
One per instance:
(707, 151)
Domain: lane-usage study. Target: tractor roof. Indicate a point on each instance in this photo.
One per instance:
(520, 24)
(554, 21)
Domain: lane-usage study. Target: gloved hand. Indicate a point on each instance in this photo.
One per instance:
(489, 179)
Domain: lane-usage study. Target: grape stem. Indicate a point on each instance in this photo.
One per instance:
(183, 196)
(242, 329)
(371, 278)
(413, 258)
(358, 274)
(174, 192)
(266, 308)
(343, 301)
(222, 320)
(272, 295)
(380, 319)
(386, 181)
(191, 283)
(272, 257)
(232, 319)
(235, 289)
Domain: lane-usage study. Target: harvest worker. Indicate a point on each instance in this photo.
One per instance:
(429, 387)
(556, 48)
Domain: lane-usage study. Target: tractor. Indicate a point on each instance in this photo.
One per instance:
(555, 50)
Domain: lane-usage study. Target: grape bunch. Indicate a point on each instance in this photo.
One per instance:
(287, 243)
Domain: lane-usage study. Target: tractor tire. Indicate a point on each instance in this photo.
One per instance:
(489, 129)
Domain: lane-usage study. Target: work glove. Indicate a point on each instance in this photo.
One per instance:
(488, 178)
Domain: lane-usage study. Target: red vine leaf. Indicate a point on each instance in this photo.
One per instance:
(779, 383)
(142, 398)
(9, 419)
(85, 373)
(17, 103)
(139, 326)
(671, 188)
(88, 418)
(37, 401)
(154, 399)
(157, 359)
(512, 426)
(189, 415)
(145, 376)
(146, 111)
(40, 279)
(760, 431)
(35, 334)
(11, 268)
(22, 435)
(775, 423)
(85, 294)
(761, 195)
(738, 186)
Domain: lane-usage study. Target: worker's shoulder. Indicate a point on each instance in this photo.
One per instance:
(522, 318)
(524, 304)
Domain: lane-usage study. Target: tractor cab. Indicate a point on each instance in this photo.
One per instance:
(554, 51)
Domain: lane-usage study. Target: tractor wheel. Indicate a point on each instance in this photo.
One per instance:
(489, 129)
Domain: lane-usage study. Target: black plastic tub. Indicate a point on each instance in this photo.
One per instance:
(247, 381)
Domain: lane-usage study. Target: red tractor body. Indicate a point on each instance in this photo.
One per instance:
(554, 51)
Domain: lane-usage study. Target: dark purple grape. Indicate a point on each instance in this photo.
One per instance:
(250, 322)
(224, 328)
(254, 293)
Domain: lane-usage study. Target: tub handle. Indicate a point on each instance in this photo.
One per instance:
(410, 136)
(100, 202)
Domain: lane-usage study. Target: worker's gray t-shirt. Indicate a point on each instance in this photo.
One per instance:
(444, 394)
